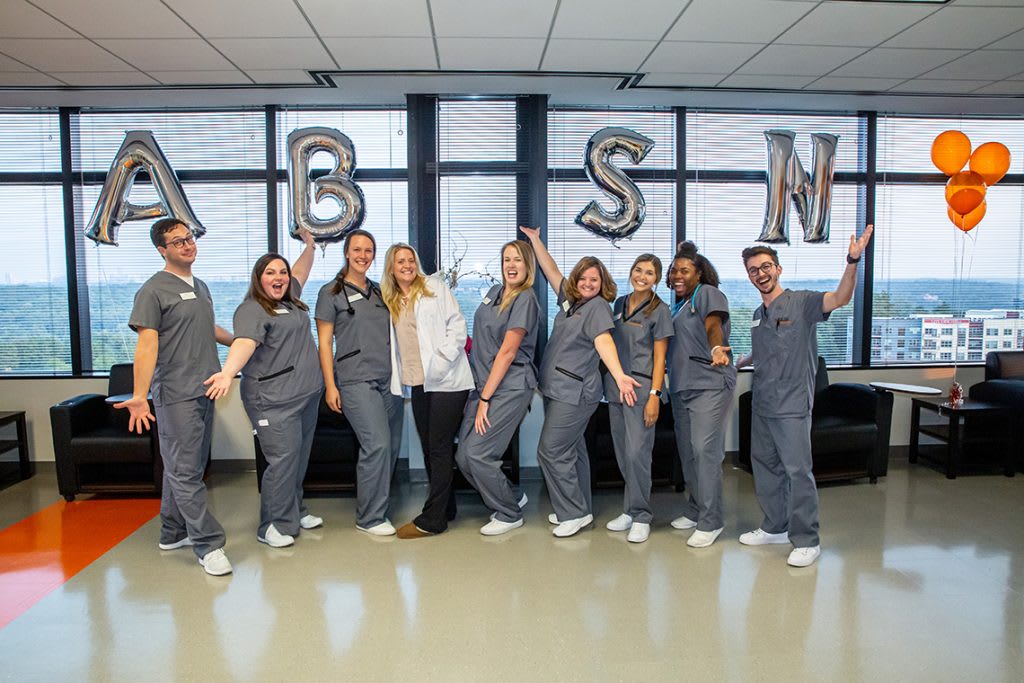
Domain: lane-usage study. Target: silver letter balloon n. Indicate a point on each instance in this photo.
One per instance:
(787, 179)
(138, 152)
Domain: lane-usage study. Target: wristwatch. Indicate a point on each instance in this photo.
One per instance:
(656, 392)
(851, 260)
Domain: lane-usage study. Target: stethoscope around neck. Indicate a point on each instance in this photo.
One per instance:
(691, 300)
(371, 289)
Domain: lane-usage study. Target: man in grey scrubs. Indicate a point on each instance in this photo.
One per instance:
(784, 348)
(176, 351)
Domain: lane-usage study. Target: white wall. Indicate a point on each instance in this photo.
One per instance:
(233, 436)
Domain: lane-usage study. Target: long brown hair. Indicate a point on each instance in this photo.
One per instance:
(337, 285)
(389, 288)
(256, 287)
(608, 287)
(655, 299)
(529, 260)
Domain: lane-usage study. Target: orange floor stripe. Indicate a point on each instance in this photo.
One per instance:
(40, 553)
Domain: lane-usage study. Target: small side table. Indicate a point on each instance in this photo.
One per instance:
(905, 388)
(23, 468)
(952, 433)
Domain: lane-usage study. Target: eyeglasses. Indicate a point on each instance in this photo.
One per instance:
(180, 243)
(764, 268)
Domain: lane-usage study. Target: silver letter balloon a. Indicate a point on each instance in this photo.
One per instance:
(630, 205)
(303, 143)
(788, 180)
(138, 152)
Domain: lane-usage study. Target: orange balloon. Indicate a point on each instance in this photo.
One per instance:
(950, 151)
(965, 191)
(991, 161)
(968, 222)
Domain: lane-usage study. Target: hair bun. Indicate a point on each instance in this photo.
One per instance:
(686, 247)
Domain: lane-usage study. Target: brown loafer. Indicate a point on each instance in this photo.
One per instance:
(410, 530)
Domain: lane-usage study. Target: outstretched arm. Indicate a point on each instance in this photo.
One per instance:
(844, 292)
(238, 355)
(304, 264)
(547, 264)
(605, 346)
(146, 348)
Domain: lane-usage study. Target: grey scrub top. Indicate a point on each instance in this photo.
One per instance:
(183, 318)
(489, 327)
(284, 365)
(689, 355)
(634, 334)
(362, 337)
(784, 344)
(570, 369)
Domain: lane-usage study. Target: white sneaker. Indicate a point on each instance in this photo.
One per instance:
(382, 529)
(683, 522)
(702, 539)
(804, 557)
(638, 532)
(571, 527)
(216, 563)
(497, 527)
(620, 523)
(761, 537)
(311, 522)
(275, 539)
(183, 543)
(553, 519)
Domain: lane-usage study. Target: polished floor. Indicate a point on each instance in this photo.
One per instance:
(921, 579)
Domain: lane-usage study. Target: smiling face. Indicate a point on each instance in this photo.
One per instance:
(643, 277)
(683, 276)
(359, 254)
(179, 248)
(405, 269)
(589, 283)
(763, 273)
(275, 280)
(513, 267)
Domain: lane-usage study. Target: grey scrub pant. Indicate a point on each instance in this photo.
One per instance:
(562, 454)
(285, 440)
(185, 430)
(780, 453)
(376, 417)
(634, 445)
(700, 420)
(479, 456)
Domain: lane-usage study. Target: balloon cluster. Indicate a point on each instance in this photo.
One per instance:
(965, 190)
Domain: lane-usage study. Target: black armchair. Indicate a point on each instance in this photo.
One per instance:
(1003, 385)
(604, 469)
(95, 452)
(850, 427)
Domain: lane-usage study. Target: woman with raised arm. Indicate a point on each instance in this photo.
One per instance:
(570, 381)
(360, 377)
(701, 378)
(504, 342)
(281, 387)
(431, 355)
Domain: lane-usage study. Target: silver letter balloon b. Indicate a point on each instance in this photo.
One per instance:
(303, 143)
(139, 152)
(788, 180)
(630, 206)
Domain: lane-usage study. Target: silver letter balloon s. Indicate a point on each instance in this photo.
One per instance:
(303, 143)
(138, 152)
(630, 206)
(788, 180)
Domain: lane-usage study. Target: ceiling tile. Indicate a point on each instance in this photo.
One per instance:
(595, 55)
(639, 21)
(394, 18)
(1001, 88)
(748, 21)
(494, 54)
(382, 53)
(682, 80)
(119, 18)
(985, 65)
(771, 82)
(699, 57)
(457, 18)
(18, 19)
(962, 27)
(13, 79)
(854, 84)
(275, 54)
(62, 54)
(224, 77)
(170, 54)
(1014, 42)
(280, 76)
(854, 23)
(108, 78)
(799, 60)
(883, 62)
(8, 64)
(243, 18)
(926, 85)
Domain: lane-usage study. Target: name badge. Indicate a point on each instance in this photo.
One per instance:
(280, 311)
(185, 296)
(487, 299)
(355, 297)
(263, 423)
(566, 306)
(755, 323)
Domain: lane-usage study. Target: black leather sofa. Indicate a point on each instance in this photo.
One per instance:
(1004, 384)
(604, 469)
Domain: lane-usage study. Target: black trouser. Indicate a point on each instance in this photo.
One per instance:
(438, 415)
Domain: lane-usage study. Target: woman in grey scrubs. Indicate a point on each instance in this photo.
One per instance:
(281, 387)
(643, 326)
(570, 380)
(431, 355)
(504, 342)
(360, 378)
(702, 378)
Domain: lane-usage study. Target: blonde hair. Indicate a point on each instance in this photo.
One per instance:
(656, 262)
(389, 288)
(608, 288)
(529, 260)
